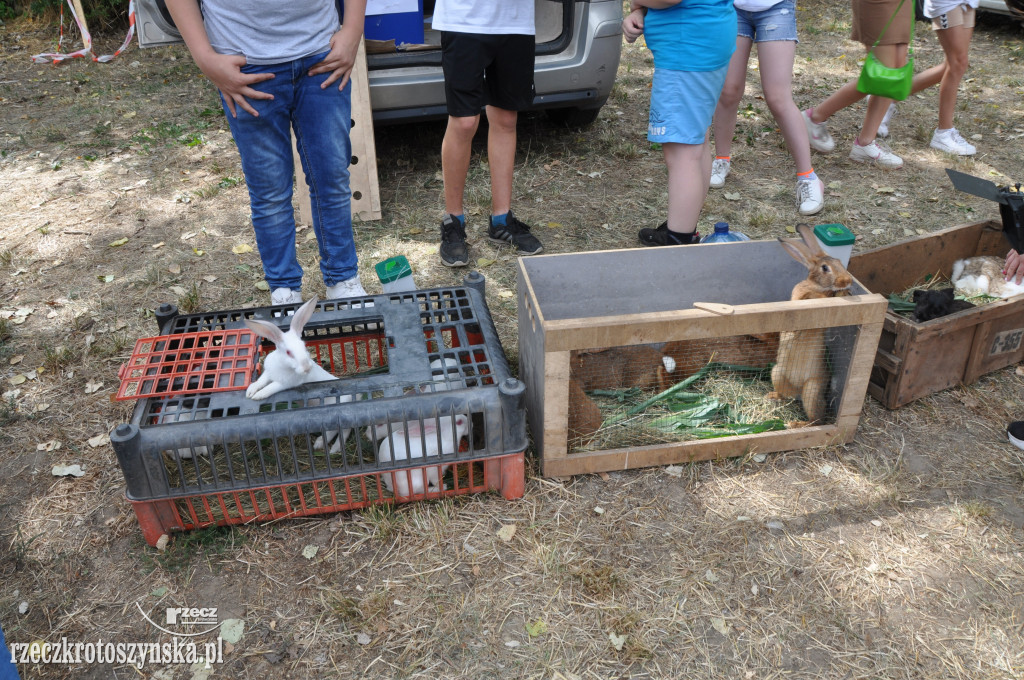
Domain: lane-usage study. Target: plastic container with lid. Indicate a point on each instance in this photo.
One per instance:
(721, 234)
(395, 274)
(836, 240)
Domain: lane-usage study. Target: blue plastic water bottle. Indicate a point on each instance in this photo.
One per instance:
(721, 234)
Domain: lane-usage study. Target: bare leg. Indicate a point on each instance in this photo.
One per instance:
(776, 66)
(955, 42)
(689, 171)
(455, 152)
(501, 156)
(732, 93)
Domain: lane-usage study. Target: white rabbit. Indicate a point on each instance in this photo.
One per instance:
(983, 275)
(289, 365)
(421, 444)
(445, 373)
(330, 437)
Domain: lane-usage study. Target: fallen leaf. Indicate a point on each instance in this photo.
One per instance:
(17, 379)
(826, 469)
(98, 441)
(1019, 371)
(904, 214)
(775, 525)
(835, 185)
(42, 407)
(161, 244)
(536, 628)
(598, 510)
(512, 644)
(554, 225)
(118, 242)
(242, 248)
(414, 231)
(187, 235)
(23, 608)
(593, 174)
(720, 625)
(363, 639)
(674, 471)
(162, 590)
(51, 445)
(310, 551)
(67, 470)
(506, 294)
(506, 532)
(178, 290)
(105, 278)
(878, 232)
(91, 386)
(886, 190)
(760, 457)
(261, 285)
(209, 278)
(484, 262)
(232, 630)
(710, 576)
(198, 252)
(174, 269)
(617, 641)
(17, 359)
(791, 229)
(876, 522)
(731, 196)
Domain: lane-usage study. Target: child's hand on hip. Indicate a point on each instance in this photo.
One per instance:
(339, 61)
(225, 71)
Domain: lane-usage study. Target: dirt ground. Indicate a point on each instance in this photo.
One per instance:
(896, 556)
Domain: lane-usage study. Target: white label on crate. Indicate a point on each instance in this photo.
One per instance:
(1007, 341)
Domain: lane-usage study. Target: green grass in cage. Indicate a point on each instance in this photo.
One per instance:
(718, 401)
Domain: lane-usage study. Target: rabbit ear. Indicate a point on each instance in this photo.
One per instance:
(807, 234)
(302, 315)
(799, 251)
(265, 329)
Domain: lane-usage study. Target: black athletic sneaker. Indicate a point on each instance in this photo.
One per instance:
(453, 250)
(1015, 432)
(516, 233)
(663, 237)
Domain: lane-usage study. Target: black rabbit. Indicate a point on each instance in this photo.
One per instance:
(931, 304)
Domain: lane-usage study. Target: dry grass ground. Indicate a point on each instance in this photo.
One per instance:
(897, 556)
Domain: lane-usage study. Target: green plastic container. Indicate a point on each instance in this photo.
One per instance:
(836, 240)
(395, 274)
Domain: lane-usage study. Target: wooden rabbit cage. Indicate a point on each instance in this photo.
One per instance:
(198, 452)
(644, 357)
(917, 359)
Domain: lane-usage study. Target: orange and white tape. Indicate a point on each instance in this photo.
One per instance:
(86, 51)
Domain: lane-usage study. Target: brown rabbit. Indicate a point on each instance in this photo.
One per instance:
(615, 368)
(800, 370)
(584, 416)
(689, 356)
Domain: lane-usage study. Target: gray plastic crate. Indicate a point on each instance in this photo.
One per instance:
(421, 357)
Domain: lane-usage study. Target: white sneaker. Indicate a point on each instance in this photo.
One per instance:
(719, 171)
(883, 127)
(285, 296)
(346, 289)
(810, 196)
(817, 134)
(950, 141)
(873, 153)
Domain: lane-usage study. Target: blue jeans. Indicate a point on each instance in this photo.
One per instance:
(778, 22)
(321, 119)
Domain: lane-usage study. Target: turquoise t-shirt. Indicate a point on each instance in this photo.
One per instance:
(695, 35)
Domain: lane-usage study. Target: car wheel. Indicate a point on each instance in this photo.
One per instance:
(573, 117)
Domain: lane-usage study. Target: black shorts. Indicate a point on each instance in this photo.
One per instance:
(487, 69)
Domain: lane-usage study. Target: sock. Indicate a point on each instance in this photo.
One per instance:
(810, 174)
(722, 158)
(942, 132)
(499, 220)
(461, 218)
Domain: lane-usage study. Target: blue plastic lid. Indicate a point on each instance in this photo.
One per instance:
(721, 227)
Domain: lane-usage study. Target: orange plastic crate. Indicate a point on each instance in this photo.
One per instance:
(189, 363)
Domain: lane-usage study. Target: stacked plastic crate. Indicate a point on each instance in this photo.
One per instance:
(424, 406)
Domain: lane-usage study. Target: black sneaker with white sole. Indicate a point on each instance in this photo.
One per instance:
(453, 251)
(663, 237)
(516, 233)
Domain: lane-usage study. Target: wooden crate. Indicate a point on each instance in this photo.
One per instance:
(918, 359)
(645, 296)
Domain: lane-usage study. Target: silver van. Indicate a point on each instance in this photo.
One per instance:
(578, 43)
